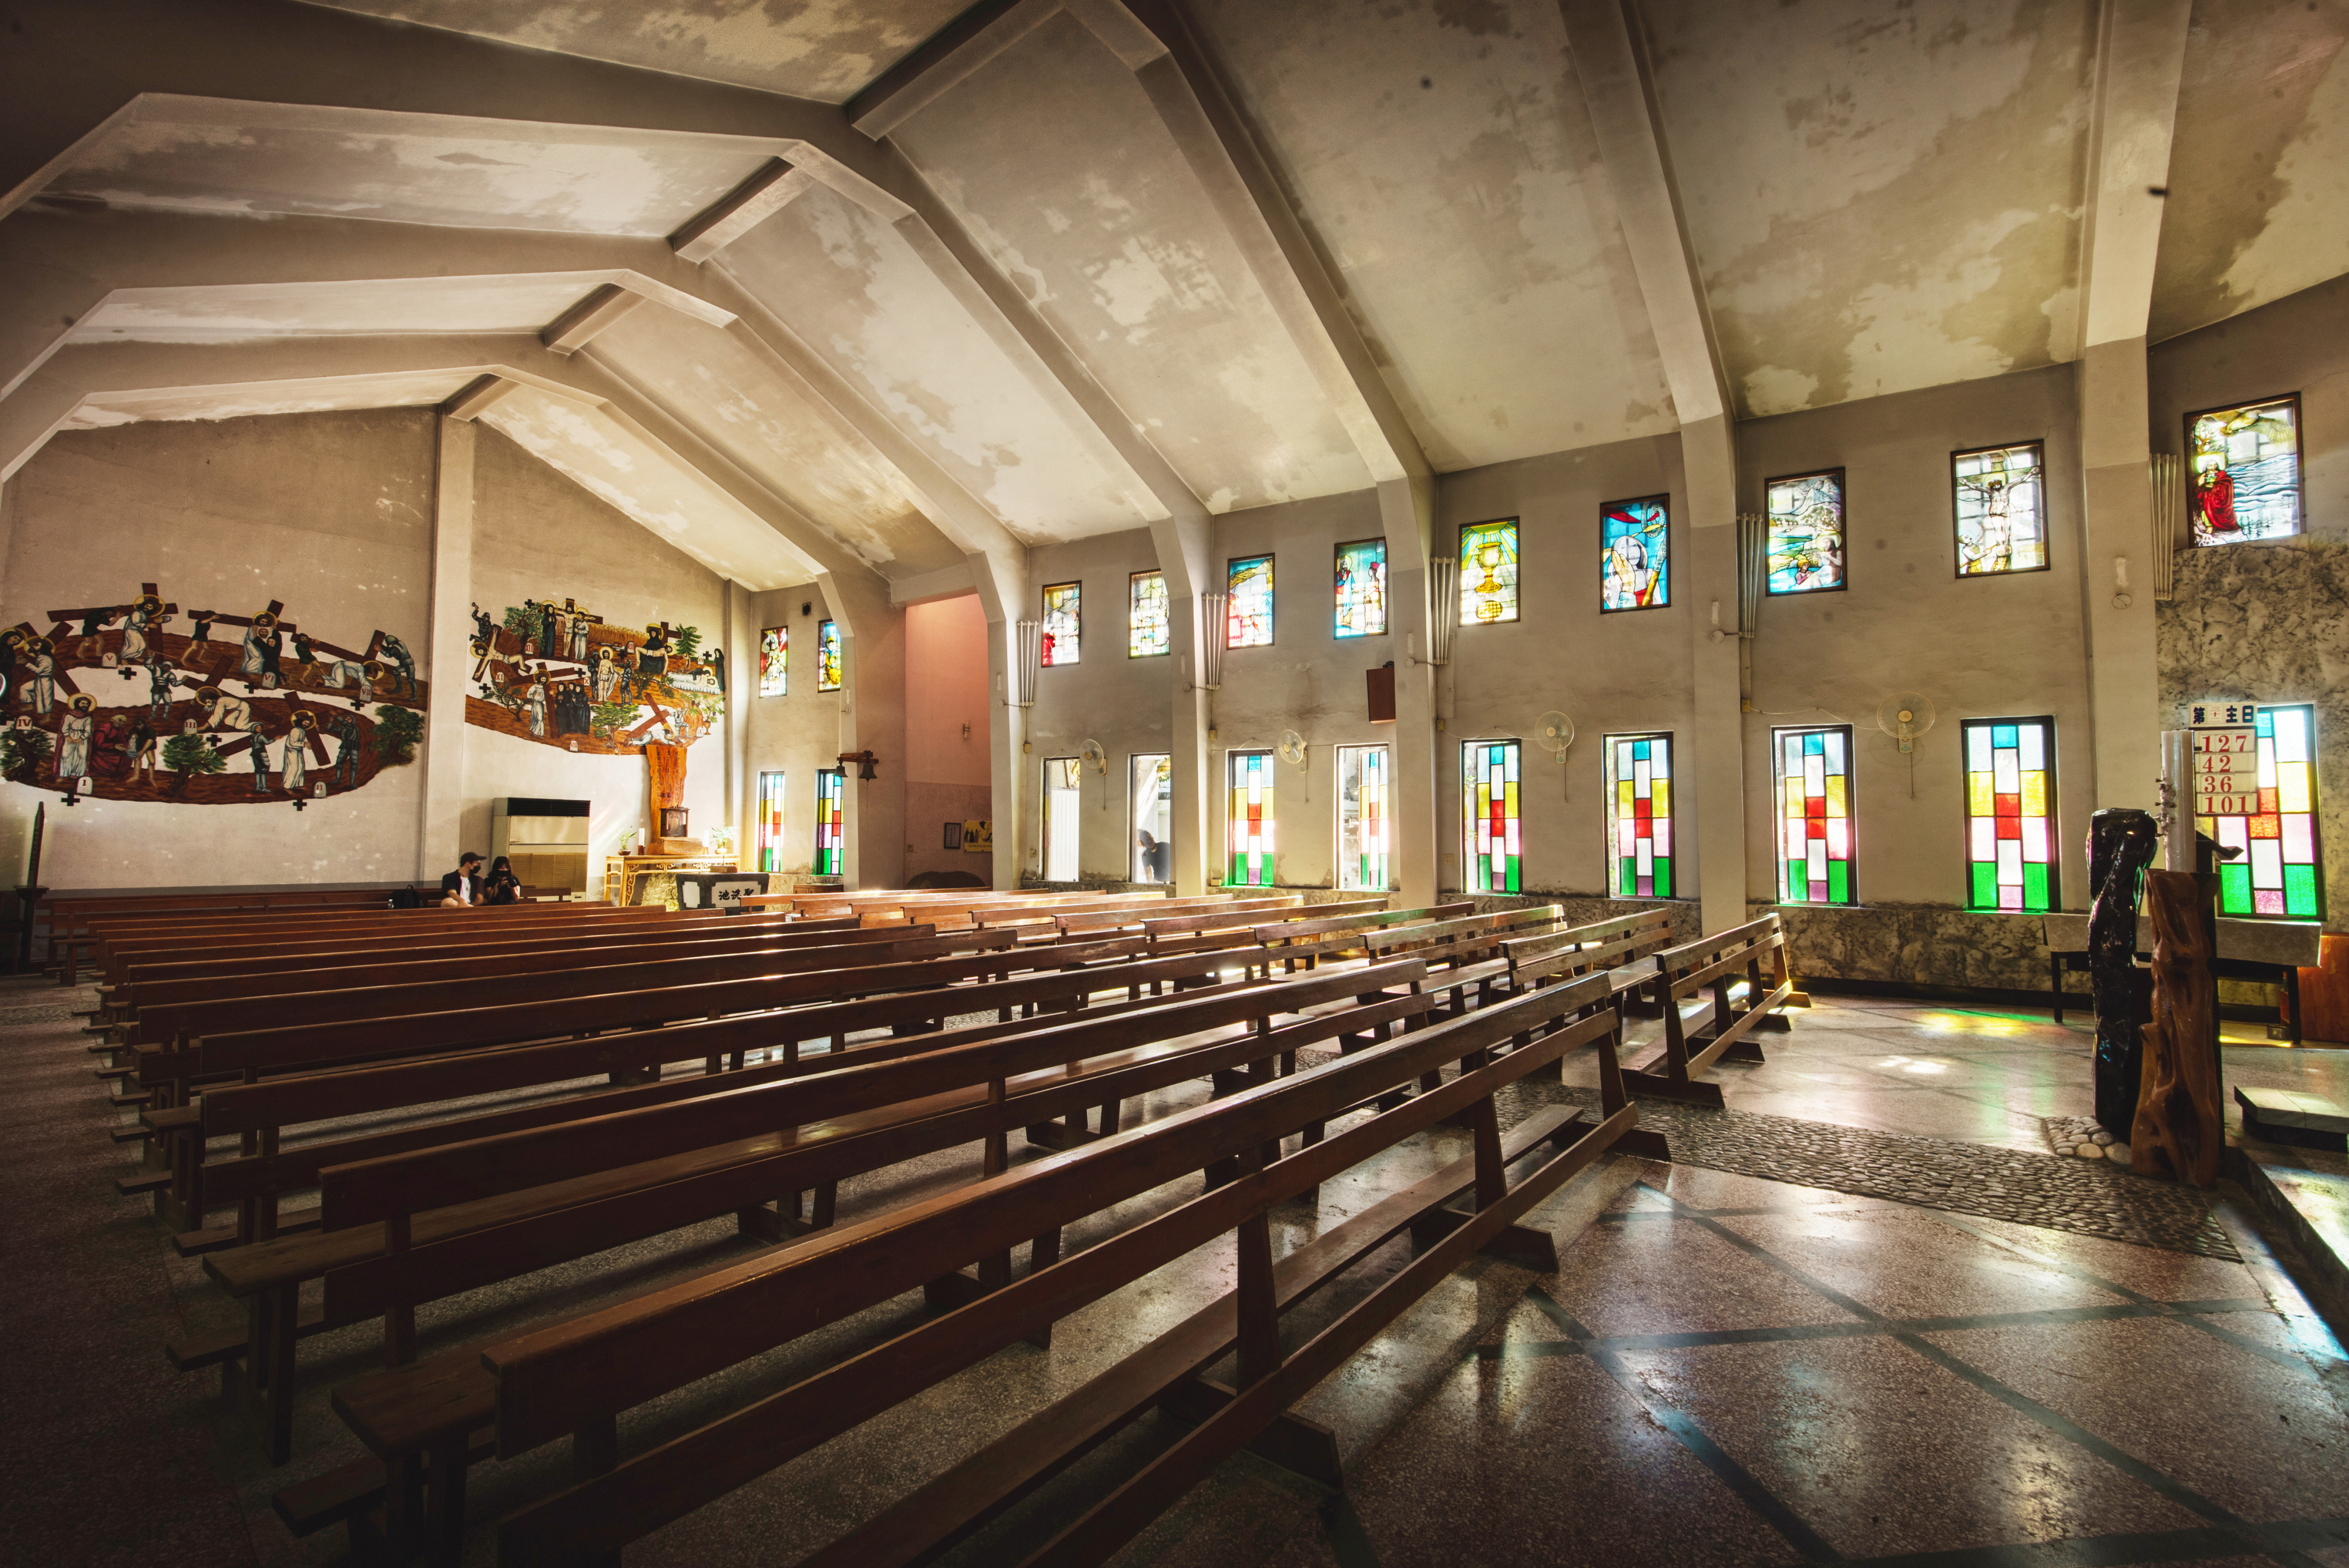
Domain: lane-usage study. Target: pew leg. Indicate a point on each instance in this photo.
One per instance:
(1292, 1442)
(444, 1524)
(404, 1526)
(283, 1316)
(827, 1201)
(399, 1334)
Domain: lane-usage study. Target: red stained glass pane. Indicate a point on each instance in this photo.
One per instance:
(2006, 805)
(2267, 826)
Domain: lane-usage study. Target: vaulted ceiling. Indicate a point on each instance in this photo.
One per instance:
(881, 286)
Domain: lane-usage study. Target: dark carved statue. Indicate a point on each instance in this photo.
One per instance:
(2121, 844)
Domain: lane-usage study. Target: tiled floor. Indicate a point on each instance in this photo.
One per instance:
(1724, 1369)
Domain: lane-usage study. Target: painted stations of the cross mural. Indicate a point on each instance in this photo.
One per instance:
(1805, 523)
(1640, 780)
(1148, 630)
(1361, 589)
(1488, 572)
(1247, 614)
(774, 650)
(771, 821)
(1063, 624)
(827, 656)
(2272, 821)
(2242, 472)
(1635, 543)
(1251, 820)
(1363, 785)
(2001, 510)
(830, 784)
(2009, 814)
(1488, 804)
(1815, 859)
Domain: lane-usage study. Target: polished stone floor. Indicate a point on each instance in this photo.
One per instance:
(1724, 1370)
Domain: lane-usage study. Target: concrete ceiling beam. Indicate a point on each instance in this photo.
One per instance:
(749, 204)
(478, 397)
(1612, 59)
(958, 52)
(577, 327)
(2140, 63)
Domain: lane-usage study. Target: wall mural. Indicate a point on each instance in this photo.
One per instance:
(108, 702)
(557, 674)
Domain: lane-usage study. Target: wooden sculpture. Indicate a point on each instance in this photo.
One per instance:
(2122, 841)
(2180, 1130)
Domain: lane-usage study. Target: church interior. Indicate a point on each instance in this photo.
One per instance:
(1327, 783)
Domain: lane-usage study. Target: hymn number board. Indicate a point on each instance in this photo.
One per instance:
(2225, 759)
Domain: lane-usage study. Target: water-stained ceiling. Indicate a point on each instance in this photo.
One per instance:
(1075, 267)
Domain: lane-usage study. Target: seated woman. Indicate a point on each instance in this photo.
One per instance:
(503, 886)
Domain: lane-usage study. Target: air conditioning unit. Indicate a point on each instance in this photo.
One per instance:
(546, 840)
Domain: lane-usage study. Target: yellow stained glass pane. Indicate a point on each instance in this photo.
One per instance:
(2292, 786)
(1509, 799)
(1623, 795)
(1834, 795)
(1660, 793)
(1793, 797)
(2035, 792)
(2207, 826)
(1978, 793)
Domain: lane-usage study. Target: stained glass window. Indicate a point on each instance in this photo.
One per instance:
(827, 656)
(1639, 769)
(2278, 874)
(1148, 631)
(1814, 815)
(774, 648)
(771, 821)
(830, 783)
(1805, 532)
(1488, 572)
(2001, 506)
(1363, 802)
(1635, 542)
(1061, 819)
(1063, 622)
(1247, 616)
(1363, 590)
(1488, 802)
(1251, 820)
(1152, 777)
(2243, 471)
(2009, 814)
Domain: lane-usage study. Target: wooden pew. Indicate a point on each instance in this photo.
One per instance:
(1326, 931)
(227, 923)
(1624, 946)
(61, 914)
(1720, 962)
(575, 1377)
(404, 1230)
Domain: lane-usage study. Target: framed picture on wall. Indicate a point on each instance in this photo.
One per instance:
(953, 836)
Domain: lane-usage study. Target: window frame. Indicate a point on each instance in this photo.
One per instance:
(2054, 815)
(2299, 476)
(1665, 500)
(2315, 824)
(1271, 600)
(782, 661)
(1843, 494)
(1386, 820)
(1133, 580)
(1386, 618)
(839, 775)
(1044, 618)
(780, 797)
(1956, 553)
(1850, 812)
(841, 642)
(1614, 855)
(1272, 819)
(1469, 821)
(1516, 526)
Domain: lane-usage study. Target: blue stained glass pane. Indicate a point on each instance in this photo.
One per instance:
(2004, 737)
(1814, 744)
(1639, 751)
(2265, 724)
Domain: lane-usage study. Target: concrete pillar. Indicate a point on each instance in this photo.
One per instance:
(449, 658)
(2117, 514)
(1407, 511)
(1717, 765)
(1002, 587)
(872, 716)
(739, 636)
(1185, 555)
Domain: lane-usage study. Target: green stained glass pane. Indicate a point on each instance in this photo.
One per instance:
(2034, 888)
(1985, 890)
(1797, 878)
(1628, 876)
(2235, 889)
(1663, 864)
(1839, 883)
(2300, 892)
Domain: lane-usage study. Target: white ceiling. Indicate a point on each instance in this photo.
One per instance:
(1070, 336)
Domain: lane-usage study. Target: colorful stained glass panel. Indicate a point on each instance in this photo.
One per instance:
(771, 821)
(1635, 540)
(1815, 839)
(827, 656)
(831, 783)
(1247, 614)
(1640, 768)
(1148, 630)
(774, 650)
(2000, 509)
(1364, 786)
(2009, 814)
(1251, 862)
(2280, 874)
(1063, 624)
(1806, 521)
(1363, 590)
(1488, 801)
(2243, 472)
(1488, 572)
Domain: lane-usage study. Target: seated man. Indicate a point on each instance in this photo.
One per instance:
(461, 888)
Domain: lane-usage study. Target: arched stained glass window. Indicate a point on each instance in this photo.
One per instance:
(1361, 589)
(1488, 572)
(1488, 802)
